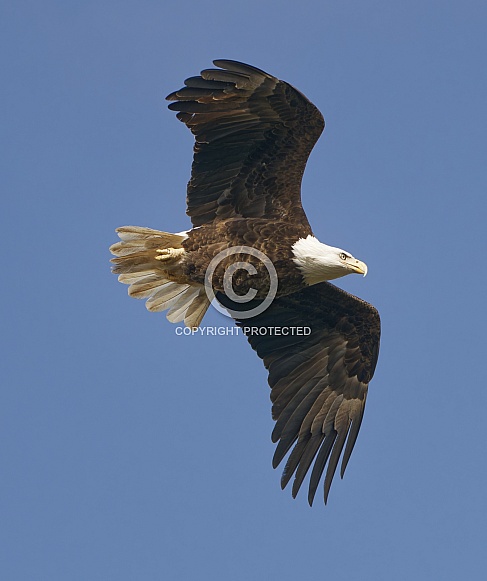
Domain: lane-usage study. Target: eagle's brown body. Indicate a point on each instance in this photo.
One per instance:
(274, 239)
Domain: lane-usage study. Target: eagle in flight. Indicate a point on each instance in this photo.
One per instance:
(253, 135)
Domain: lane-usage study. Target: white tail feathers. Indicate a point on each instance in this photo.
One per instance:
(136, 239)
(150, 262)
(185, 302)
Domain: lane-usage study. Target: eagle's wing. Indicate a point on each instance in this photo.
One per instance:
(318, 380)
(253, 135)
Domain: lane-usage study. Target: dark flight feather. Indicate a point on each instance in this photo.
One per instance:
(318, 381)
(253, 135)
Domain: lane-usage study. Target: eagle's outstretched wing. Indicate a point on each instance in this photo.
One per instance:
(318, 380)
(253, 135)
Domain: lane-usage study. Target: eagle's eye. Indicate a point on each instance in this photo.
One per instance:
(343, 256)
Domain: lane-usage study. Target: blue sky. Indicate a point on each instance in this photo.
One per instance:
(129, 452)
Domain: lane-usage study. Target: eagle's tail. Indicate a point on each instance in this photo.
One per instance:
(150, 262)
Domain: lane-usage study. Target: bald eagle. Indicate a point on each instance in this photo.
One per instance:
(253, 135)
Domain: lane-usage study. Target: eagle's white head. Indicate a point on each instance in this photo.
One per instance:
(319, 262)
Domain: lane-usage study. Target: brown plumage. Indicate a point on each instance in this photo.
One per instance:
(318, 381)
(253, 135)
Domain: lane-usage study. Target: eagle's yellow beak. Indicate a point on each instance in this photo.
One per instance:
(357, 266)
